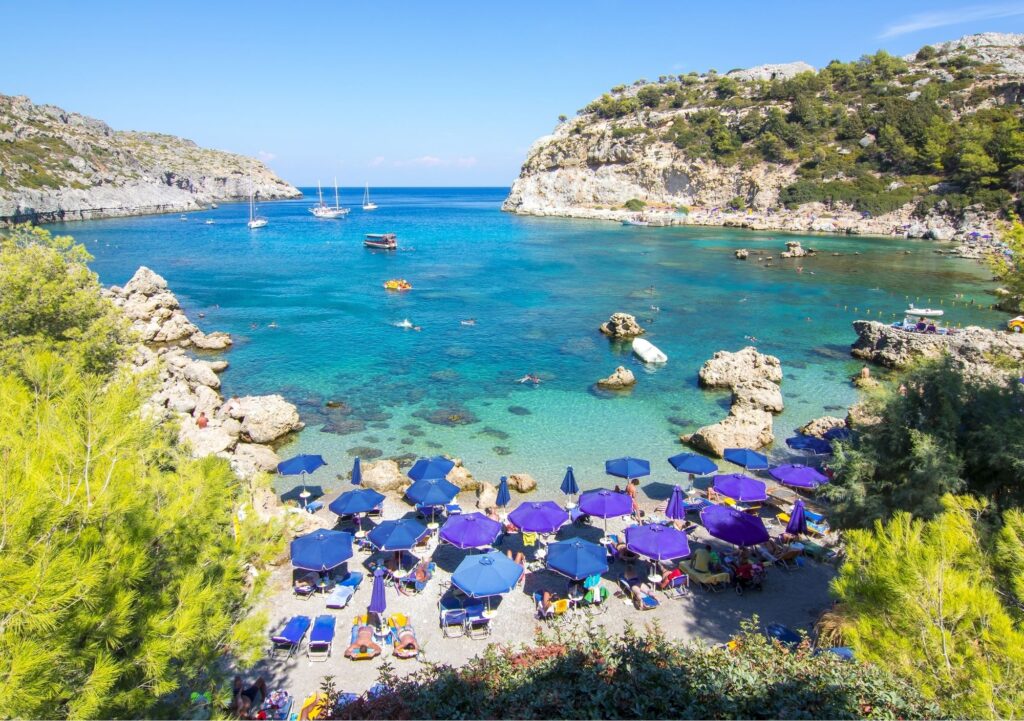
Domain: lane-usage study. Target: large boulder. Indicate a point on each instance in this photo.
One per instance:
(199, 373)
(145, 282)
(265, 418)
(486, 495)
(204, 441)
(725, 369)
(384, 476)
(217, 340)
(248, 459)
(820, 426)
(758, 393)
(461, 477)
(744, 427)
(620, 379)
(622, 325)
(522, 482)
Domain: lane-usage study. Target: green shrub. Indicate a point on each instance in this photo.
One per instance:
(737, 203)
(634, 204)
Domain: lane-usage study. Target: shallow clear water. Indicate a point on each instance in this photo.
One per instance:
(538, 288)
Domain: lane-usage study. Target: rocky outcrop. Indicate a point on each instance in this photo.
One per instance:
(60, 166)
(486, 495)
(384, 476)
(820, 426)
(973, 349)
(461, 476)
(753, 378)
(621, 325)
(793, 250)
(188, 388)
(621, 379)
(742, 253)
(522, 482)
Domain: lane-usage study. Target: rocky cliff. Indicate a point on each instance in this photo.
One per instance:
(56, 165)
(880, 145)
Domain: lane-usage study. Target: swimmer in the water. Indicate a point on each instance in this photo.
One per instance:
(272, 324)
(254, 326)
(752, 339)
(529, 378)
(656, 309)
(417, 327)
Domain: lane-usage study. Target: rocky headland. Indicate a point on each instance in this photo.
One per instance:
(754, 380)
(241, 429)
(729, 150)
(58, 166)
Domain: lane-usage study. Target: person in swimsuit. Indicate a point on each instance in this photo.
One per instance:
(248, 699)
(363, 644)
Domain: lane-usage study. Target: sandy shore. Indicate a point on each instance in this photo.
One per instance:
(794, 598)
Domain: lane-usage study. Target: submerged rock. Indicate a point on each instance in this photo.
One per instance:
(518, 411)
(621, 325)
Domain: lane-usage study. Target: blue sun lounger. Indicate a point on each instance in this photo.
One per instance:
(289, 638)
(643, 601)
(321, 638)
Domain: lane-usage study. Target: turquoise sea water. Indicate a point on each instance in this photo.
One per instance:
(537, 288)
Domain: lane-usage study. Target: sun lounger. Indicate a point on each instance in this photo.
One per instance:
(321, 638)
(340, 597)
(289, 638)
(708, 580)
(365, 653)
(453, 622)
(819, 552)
(408, 582)
(643, 602)
(478, 621)
(402, 634)
(677, 588)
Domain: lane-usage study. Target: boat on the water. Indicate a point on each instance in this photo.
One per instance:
(635, 221)
(322, 210)
(648, 352)
(183, 218)
(367, 203)
(925, 312)
(209, 222)
(397, 284)
(381, 241)
(254, 220)
(213, 206)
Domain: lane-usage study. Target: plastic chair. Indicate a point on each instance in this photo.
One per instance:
(678, 587)
(453, 619)
(478, 623)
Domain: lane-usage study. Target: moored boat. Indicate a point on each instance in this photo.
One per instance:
(648, 352)
(254, 220)
(925, 312)
(381, 241)
(367, 203)
(323, 210)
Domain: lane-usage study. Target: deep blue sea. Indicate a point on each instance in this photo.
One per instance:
(304, 302)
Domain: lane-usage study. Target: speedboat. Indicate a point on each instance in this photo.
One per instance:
(648, 352)
(381, 241)
(925, 312)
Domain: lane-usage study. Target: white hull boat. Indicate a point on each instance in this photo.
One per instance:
(367, 203)
(322, 210)
(648, 352)
(925, 312)
(254, 220)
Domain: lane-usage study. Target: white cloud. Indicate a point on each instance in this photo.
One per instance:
(378, 161)
(945, 18)
(265, 156)
(427, 160)
(466, 162)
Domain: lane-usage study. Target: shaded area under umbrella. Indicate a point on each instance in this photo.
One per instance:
(538, 516)
(321, 550)
(577, 559)
(301, 465)
(732, 526)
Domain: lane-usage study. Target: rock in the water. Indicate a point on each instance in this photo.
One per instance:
(758, 393)
(621, 378)
(211, 341)
(265, 418)
(486, 495)
(726, 370)
(248, 459)
(793, 250)
(742, 254)
(622, 325)
(383, 476)
(744, 427)
(820, 426)
(521, 482)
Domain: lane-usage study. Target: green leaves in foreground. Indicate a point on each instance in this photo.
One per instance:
(121, 575)
(644, 675)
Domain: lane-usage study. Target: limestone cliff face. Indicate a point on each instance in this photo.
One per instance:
(637, 143)
(57, 165)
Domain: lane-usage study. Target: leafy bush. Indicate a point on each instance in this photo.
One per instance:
(624, 132)
(738, 203)
(867, 194)
(634, 204)
(639, 675)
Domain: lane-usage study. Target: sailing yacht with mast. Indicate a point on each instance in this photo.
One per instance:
(322, 210)
(367, 203)
(254, 220)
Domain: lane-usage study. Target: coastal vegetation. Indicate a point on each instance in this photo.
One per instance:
(642, 674)
(126, 568)
(1007, 268)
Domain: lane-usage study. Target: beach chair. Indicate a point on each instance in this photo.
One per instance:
(478, 621)
(340, 597)
(595, 600)
(408, 583)
(305, 587)
(677, 588)
(289, 638)
(708, 580)
(401, 633)
(645, 602)
(365, 653)
(321, 638)
(452, 616)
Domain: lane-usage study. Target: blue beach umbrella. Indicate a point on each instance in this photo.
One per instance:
(432, 492)
(321, 550)
(657, 542)
(300, 466)
(504, 497)
(487, 574)
(357, 472)
(799, 476)
(378, 600)
(470, 530)
(627, 467)
(577, 559)
(693, 463)
(569, 486)
(741, 488)
(436, 467)
(399, 535)
(539, 516)
(809, 443)
(676, 508)
(732, 526)
(606, 504)
(361, 500)
(797, 520)
(751, 460)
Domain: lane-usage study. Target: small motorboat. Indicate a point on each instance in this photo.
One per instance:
(635, 221)
(925, 312)
(209, 222)
(397, 284)
(381, 241)
(183, 218)
(648, 352)
(406, 323)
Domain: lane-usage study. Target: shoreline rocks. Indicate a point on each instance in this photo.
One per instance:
(754, 381)
(621, 379)
(621, 325)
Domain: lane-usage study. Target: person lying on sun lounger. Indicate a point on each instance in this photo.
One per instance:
(406, 645)
(248, 699)
(637, 587)
(363, 644)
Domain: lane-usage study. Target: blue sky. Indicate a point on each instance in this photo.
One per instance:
(417, 93)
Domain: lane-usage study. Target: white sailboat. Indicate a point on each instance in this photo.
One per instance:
(367, 203)
(254, 220)
(322, 210)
